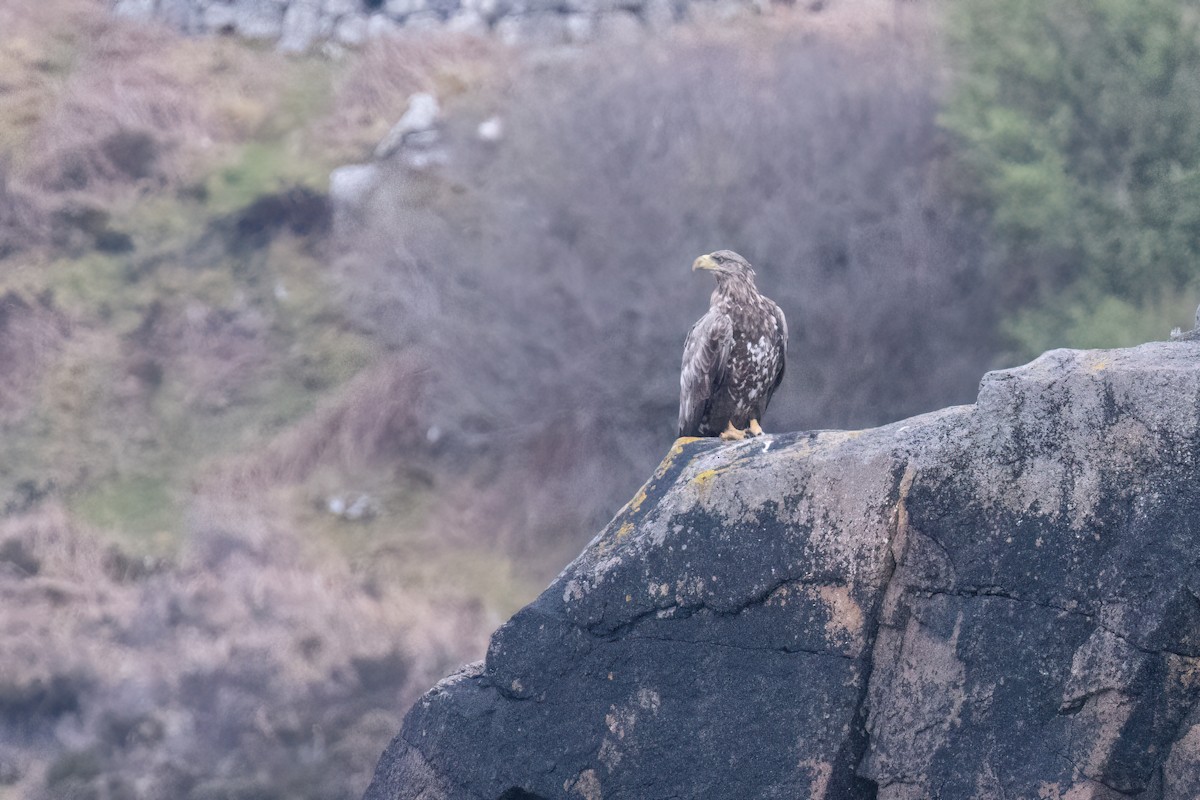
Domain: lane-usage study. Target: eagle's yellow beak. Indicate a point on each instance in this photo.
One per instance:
(704, 262)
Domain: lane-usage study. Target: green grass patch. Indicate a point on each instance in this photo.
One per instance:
(307, 96)
(258, 168)
(1103, 323)
(277, 156)
(143, 510)
(490, 576)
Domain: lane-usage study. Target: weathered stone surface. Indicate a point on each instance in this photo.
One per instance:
(135, 9)
(297, 25)
(467, 22)
(339, 8)
(351, 31)
(186, 15)
(533, 30)
(253, 19)
(378, 25)
(420, 117)
(990, 601)
(301, 26)
(349, 188)
(658, 15)
(399, 9)
(620, 26)
(490, 130)
(591, 7)
(580, 27)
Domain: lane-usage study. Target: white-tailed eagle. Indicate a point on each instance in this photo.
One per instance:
(734, 355)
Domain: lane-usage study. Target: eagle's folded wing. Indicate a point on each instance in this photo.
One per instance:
(705, 366)
(781, 339)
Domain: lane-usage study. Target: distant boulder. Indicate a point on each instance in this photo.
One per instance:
(417, 126)
(349, 188)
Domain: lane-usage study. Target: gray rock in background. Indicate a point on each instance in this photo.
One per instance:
(423, 21)
(470, 22)
(659, 14)
(340, 8)
(580, 27)
(252, 19)
(620, 26)
(349, 188)
(186, 15)
(997, 600)
(298, 25)
(491, 130)
(399, 9)
(418, 125)
(302, 26)
(591, 6)
(351, 31)
(489, 10)
(445, 9)
(546, 29)
(135, 9)
(379, 25)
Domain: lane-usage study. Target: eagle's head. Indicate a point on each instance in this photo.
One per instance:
(726, 264)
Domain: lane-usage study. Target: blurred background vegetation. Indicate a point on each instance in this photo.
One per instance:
(272, 466)
(1080, 124)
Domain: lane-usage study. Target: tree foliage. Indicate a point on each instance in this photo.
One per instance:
(1080, 122)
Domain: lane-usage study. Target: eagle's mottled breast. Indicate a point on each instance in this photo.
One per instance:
(754, 359)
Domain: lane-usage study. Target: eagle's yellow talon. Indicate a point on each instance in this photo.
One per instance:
(732, 434)
(755, 428)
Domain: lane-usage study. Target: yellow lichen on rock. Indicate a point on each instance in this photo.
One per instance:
(702, 478)
(636, 503)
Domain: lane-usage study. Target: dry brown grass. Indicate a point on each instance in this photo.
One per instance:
(23, 222)
(35, 54)
(246, 665)
(32, 331)
(256, 660)
(141, 106)
(374, 421)
(213, 352)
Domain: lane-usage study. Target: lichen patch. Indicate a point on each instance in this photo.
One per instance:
(845, 615)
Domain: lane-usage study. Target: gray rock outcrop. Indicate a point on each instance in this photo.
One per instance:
(299, 25)
(418, 125)
(999, 600)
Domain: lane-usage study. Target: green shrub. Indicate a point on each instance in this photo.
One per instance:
(1080, 123)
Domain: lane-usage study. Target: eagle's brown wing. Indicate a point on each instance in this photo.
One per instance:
(705, 367)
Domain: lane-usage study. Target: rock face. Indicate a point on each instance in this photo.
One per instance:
(990, 601)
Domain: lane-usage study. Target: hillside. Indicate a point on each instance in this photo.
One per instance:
(321, 357)
(203, 472)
